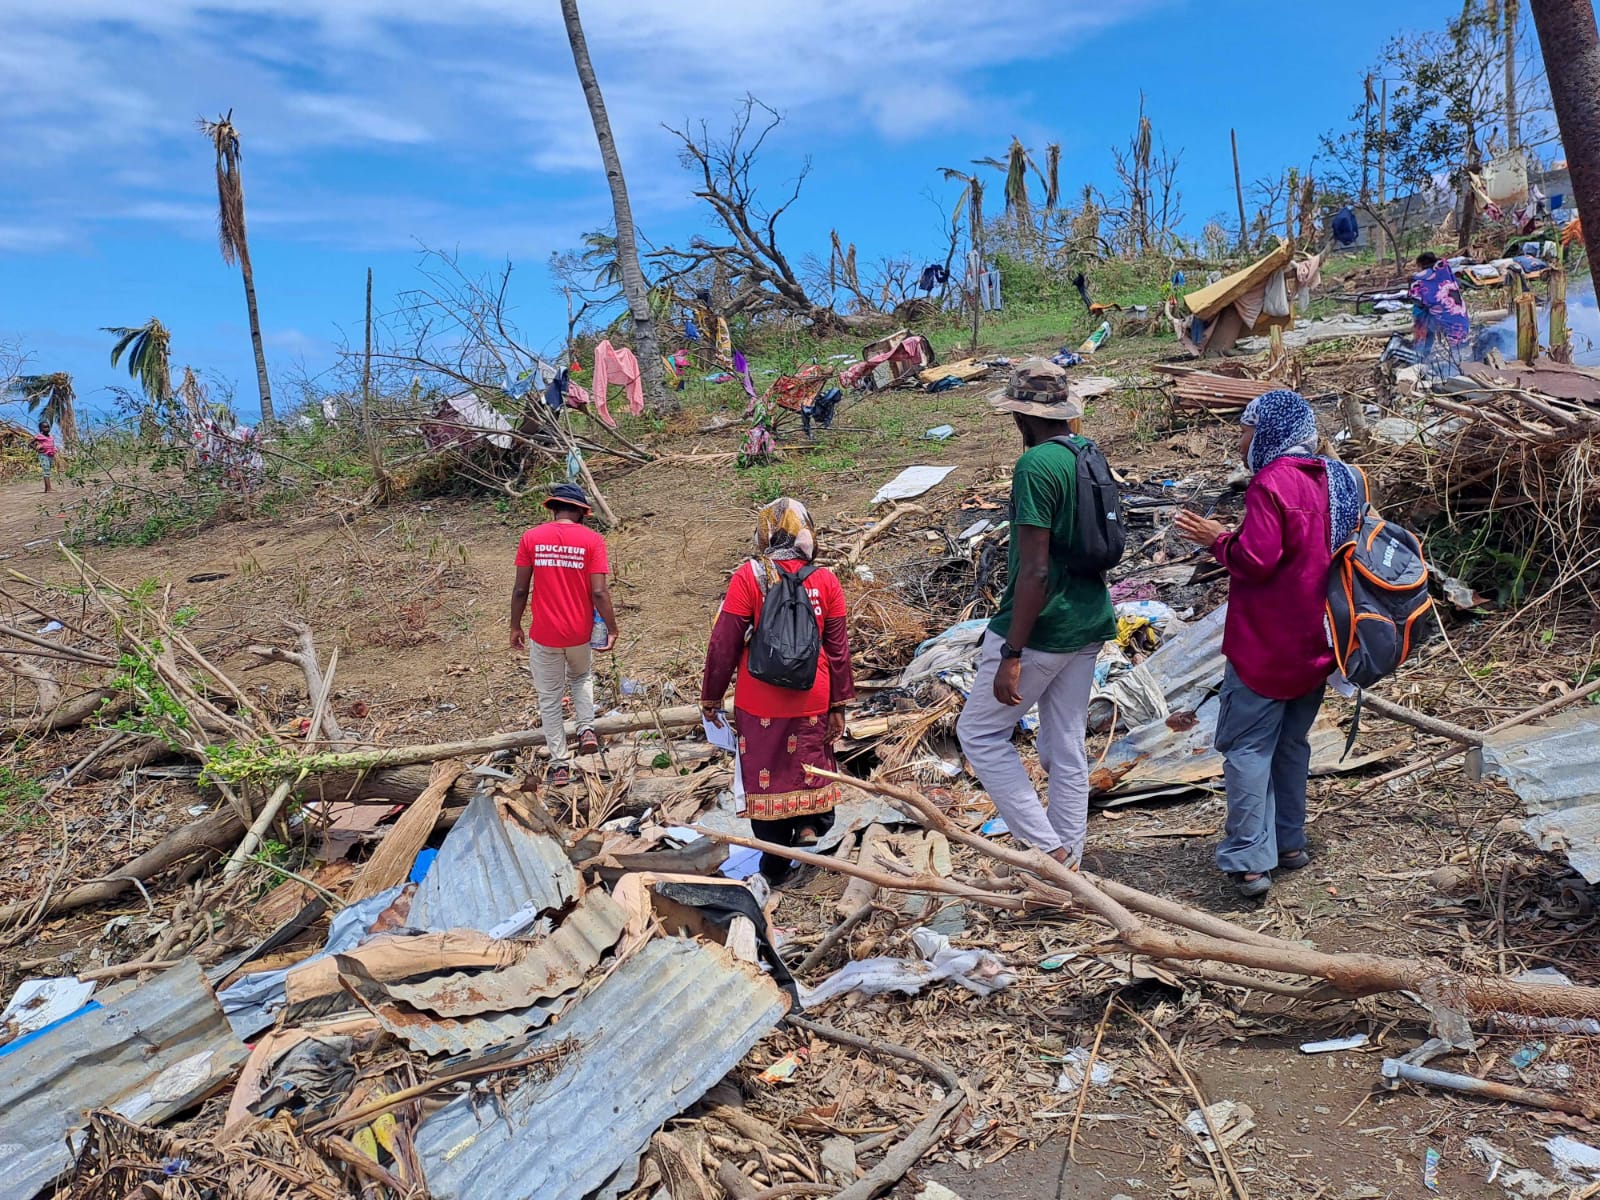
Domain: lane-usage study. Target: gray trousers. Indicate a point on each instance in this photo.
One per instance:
(1267, 758)
(554, 668)
(1060, 685)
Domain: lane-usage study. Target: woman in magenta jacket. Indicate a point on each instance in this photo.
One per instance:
(1297, 508)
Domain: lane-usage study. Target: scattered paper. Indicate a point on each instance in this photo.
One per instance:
(1576, 1162)
(1071, 1077)
(720, 736)
(1332, 1044)
(784, 1068)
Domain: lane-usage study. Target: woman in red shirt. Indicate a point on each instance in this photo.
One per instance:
(782, 731)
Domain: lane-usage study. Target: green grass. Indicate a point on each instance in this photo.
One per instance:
(21, 801)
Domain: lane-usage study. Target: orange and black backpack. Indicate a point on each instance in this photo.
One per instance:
(1377, 595)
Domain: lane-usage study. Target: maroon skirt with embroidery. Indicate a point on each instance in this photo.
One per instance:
(773, 755)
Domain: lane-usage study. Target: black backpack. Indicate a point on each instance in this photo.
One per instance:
(1101, 536)
(1377, 596)
(785, 645)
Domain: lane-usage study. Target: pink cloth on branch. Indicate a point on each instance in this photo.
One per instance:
(614, 365)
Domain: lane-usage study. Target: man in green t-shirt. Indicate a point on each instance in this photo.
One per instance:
(1042, 644)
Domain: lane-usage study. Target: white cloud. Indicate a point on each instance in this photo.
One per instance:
(99, 98)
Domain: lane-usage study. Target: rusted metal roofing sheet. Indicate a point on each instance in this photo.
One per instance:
(435, 1036)
(654, 1037)
(557, 964)
(490, 866)
(1554, 767)
(146, 1052)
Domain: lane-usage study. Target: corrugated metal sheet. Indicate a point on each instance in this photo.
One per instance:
(1188, 665)
(147, 1052)
(1554, 768)
(557, 964)
(1551, 766)
(1172, 755)
(490, 866)
(673, 1020)
(435, 1036)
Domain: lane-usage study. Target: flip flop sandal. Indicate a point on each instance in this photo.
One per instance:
(1295, 860)
(1249, 888)
(559, 776)
(806, 836)
(588, 742)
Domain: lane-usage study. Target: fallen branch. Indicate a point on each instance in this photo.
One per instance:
(853, 555)
(72, 713)
(209, 836)
(1354, 974)
(1199, 1101)
(1395, 1070)
(894, 1165)
(681, 717)
(831, 938)
(1536, 713)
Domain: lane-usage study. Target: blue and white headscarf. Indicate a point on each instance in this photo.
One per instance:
(1285, 426)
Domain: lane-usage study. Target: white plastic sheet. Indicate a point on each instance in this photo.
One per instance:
(913, 481)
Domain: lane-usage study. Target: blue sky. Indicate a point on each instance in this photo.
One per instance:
(374, 127)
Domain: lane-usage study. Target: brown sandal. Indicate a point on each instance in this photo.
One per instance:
(588, 742)
(559, 776)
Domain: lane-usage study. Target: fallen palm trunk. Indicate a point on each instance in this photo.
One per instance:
(1352, 974)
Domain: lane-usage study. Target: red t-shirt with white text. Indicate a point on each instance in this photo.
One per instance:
(563, 555)
(744, 599)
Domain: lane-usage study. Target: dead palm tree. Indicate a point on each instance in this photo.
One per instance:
(1050, 177)
(231, 235)
(971, 199)
(634, 287)
(52, 397)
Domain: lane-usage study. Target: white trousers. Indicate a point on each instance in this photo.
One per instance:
(554, 668)
(1060, 685)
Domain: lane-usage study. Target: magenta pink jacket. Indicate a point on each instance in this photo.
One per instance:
(1278, 562)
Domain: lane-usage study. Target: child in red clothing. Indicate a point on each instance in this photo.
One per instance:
(45, 446)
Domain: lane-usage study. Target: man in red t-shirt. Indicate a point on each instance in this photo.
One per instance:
(563, 563)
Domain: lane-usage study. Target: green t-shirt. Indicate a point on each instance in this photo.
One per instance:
(1077, 610)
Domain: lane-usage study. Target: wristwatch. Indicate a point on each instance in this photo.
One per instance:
(1007, 650)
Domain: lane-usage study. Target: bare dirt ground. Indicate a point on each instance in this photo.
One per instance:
(414, 595)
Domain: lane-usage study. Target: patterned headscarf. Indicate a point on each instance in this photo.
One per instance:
(784, 531)
(1285, 427)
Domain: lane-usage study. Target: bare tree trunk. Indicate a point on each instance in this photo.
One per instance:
(633, 281)
(1383, 154)
(1571, 45)
(1238, 189)
(248, 272)
(1513, 117)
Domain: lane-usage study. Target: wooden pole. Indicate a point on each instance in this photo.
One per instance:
(1570, 42)
(1560, 343)
(1238, 188)
(367, 428)
(1527, 326)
